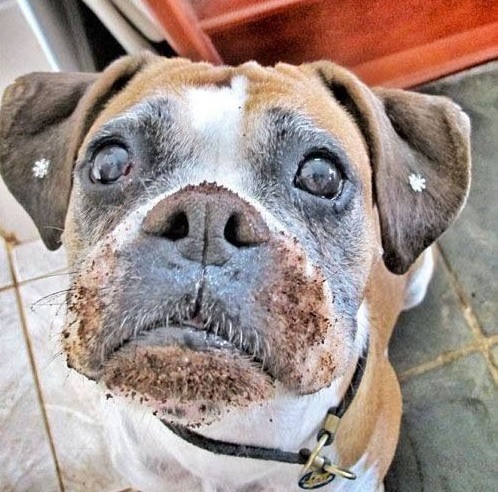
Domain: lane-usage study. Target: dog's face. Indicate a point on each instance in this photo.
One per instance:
(222, 223)
(221, 238)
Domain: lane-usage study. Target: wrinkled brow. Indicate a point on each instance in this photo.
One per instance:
(159, 108)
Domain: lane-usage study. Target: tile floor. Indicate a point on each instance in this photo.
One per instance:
(445, 352)
(52, 440)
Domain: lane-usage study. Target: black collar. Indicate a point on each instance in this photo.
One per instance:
(318, 470)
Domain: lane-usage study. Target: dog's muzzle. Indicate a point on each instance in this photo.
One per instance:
(198, 307)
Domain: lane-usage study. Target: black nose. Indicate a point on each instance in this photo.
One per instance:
(207, 223)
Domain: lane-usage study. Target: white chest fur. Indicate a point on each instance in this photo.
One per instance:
(154, 460)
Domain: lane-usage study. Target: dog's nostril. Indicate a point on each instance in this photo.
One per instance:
(234, 232)
(176, 227)
(231, 231)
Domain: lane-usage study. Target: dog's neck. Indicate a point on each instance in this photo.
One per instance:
(317, 470)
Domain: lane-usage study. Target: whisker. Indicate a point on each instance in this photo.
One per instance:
(49, 297)
(57, 312)
(331, 275)
(142, 182)
(52, 358)
(110, 335)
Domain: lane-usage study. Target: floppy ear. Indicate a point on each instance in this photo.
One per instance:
(420, 154)
(43, 120)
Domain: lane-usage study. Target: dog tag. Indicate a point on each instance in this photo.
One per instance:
(315, 479)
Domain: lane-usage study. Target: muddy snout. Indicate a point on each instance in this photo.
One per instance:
(207, 224)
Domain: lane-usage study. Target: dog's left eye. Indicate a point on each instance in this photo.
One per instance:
(109, 164)
(319, 175)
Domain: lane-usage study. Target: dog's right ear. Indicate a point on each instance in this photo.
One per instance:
(419, 149)
(43, 120)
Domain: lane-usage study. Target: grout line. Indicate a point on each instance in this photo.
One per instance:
(493, 369)
(483, 345)
(469, 314)
(493, 360)
(32, 361)
(8, 237)
(6, 287)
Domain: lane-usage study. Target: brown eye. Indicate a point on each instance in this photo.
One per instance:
(109, 164)
(320, 176)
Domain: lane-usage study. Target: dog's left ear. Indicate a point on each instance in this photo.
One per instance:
(419, 148)
(43, 119)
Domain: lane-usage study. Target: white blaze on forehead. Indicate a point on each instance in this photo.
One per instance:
(217, 110)
(216, 117)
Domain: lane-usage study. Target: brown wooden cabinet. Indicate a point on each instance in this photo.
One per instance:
(391, 43)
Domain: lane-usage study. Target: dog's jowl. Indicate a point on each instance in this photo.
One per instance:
(241, 241)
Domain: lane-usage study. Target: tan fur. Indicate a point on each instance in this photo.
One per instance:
(372, 422)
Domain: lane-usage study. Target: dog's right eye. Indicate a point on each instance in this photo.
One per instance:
(109, 164)
(320, 175)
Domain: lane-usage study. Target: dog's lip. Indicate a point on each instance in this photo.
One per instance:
(189, 335)
(195, 334)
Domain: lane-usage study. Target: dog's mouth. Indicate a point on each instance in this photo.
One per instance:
(185, 335)
(218, 333)
(191, 369)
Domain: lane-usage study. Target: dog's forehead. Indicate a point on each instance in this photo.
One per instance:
(263, 85)
(208, 94)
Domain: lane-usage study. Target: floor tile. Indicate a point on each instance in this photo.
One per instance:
(494, 355)
(472, 243)
(5, 273)
(74, 405)
(26, 461)
(435, 326)
(34, 260)
(449, 431)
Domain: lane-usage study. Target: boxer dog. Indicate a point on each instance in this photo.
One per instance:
(241, 242)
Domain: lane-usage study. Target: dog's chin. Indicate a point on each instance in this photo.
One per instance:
(186, 376)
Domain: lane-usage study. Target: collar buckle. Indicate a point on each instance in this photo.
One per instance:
(318, 470)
